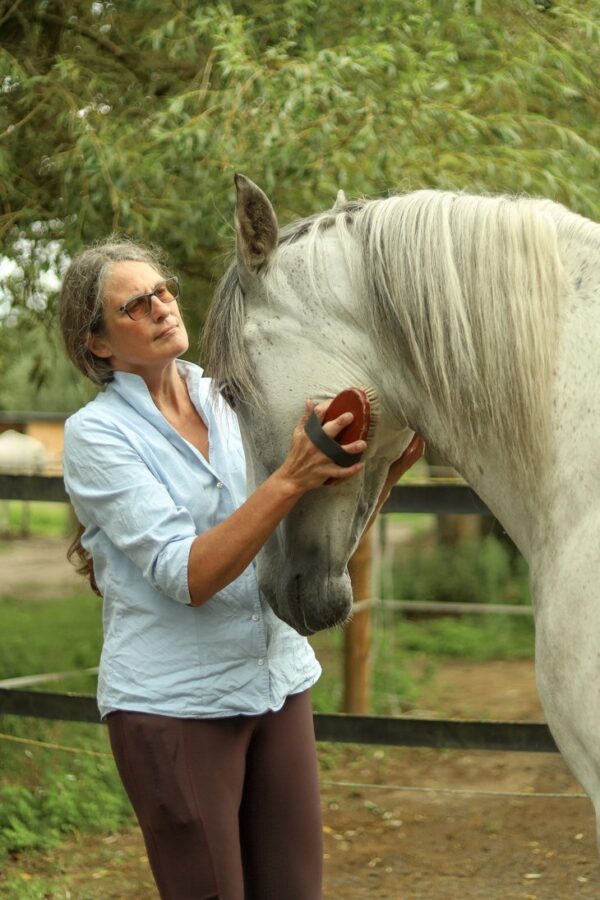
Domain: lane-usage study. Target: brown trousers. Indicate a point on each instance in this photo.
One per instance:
(229, 808)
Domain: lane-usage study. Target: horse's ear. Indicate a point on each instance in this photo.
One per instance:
(340, 201)
(255, 224)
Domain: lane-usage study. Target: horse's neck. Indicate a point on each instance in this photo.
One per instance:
(514, 502)
(576, 401)
(540, 513)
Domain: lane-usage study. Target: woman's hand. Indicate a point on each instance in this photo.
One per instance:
(306, 467)
(411, 455)
(413, 452)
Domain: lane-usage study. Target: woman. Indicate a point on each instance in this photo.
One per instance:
(205, 692)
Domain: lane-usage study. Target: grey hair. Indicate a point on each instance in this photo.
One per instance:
(81, 303)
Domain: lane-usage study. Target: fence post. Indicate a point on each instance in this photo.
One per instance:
(357, 633)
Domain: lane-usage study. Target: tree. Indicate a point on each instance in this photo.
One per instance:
(133, 117)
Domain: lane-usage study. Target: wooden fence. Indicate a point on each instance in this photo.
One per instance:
(444, 498)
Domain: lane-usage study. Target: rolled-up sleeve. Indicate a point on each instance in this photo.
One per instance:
(113, 489)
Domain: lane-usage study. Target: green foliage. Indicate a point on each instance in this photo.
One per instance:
(471, 572)
(405, 655)
(133, 117)
(16, 888)
(18, 821)
(38, 376)
(475, 638)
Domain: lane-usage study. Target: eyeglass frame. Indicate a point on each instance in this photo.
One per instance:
(148, 298)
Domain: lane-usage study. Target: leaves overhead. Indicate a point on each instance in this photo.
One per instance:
(133, 117)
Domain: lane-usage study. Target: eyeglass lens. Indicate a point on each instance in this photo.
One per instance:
(141, 306)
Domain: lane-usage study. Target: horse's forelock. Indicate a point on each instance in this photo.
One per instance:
(223, 351)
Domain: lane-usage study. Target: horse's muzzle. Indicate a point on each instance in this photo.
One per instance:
(309, 604)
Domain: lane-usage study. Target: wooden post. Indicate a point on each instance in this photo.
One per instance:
(357, 635)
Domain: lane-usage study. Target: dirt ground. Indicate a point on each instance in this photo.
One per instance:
(401, 824)
(36, 568)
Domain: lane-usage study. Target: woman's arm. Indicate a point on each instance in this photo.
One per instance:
(114, 492)
(221, 554)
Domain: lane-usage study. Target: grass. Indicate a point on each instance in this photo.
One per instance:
(51, 636)
(39, 519)
(405, 655)
(48, 793)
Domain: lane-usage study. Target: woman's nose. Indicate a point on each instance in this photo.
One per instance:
(160, 308)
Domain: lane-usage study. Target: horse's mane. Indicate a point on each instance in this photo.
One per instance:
(463, 290)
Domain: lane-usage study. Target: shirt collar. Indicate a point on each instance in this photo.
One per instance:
(133, 389)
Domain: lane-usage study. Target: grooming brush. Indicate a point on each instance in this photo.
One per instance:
(363, 403)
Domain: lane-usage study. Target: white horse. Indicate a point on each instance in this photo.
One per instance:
(476, 322)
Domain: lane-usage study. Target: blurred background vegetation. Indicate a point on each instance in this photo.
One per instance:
(57, 778)
(133, 117)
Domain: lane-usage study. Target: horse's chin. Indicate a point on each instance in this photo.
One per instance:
(309, 605)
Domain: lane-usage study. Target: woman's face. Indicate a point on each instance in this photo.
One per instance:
(144, 345)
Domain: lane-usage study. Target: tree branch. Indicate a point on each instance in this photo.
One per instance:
(9, 12)
(13, 127)
(123, 56)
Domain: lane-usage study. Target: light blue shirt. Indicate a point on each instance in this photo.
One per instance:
(143, 494)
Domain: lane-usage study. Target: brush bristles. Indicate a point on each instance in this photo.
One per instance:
(371, 395)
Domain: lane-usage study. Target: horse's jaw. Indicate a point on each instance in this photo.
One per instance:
(302, 569)
(307, 600)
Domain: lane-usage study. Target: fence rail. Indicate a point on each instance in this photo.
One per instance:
(33, 487)
(463, 734)
(442, 497)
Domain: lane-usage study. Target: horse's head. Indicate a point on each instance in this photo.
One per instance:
(285, 326)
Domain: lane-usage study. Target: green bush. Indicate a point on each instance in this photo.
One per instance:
(81, 794)
(471, 572)
(478, 638)
(47, 792)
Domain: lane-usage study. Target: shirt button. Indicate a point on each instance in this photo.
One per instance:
(254, 617)
(220, 484)
(261, 662)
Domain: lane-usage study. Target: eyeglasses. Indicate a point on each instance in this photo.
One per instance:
(139, 307)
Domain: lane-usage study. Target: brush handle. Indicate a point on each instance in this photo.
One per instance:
(328, 445)
(355, 401)
(352, 400)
